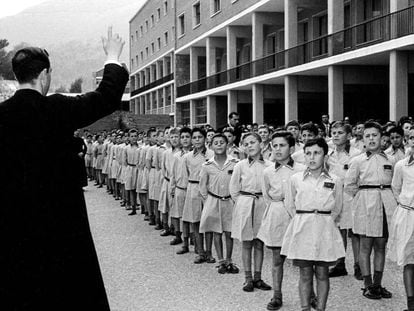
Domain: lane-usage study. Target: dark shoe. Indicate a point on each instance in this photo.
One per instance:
(222, 268)
(274, 304)
(100, 186)
(371, 292)
(152, 220)
(158, 227)
(248, 286)
(128, 208)
(314, 301)
(210, 259)
(122, 204)
(165, 232)
(132, 213)
(358, 273)
(337, 271)
(176, 241)
(259, 284)
(146, 218)
(384, 293)
(200, 259)
(232, 268)
(183, 250)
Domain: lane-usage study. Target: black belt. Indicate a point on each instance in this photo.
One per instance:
(167, 179)
(410, 208)
(313, 212)
(153, 167)
(181, 188)
(131, 165)
(223, 198)
(375, 187)
(99, 153)
(256, 194)
(89, 154)
(193, 181)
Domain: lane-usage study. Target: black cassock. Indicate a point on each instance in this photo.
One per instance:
(47, 257)
(79, 146)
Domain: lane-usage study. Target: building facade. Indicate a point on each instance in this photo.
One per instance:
(278, 60)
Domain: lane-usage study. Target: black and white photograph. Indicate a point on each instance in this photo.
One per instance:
(207, 155)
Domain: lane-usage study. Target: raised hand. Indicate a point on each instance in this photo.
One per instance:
(112, 45)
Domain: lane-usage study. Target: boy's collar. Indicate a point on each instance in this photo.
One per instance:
(289, 164)
(411, 160)
(324, 172)
(370, 154)
(202, 151)
(251, 160)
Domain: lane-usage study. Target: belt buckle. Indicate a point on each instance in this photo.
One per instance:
(381, 187)
(222, 198)
(315, 211)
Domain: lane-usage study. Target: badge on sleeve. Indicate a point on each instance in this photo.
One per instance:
(346, 166)
(230, 172)
(329, 185)
(387, 167)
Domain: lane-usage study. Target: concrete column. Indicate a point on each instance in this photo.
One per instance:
(257, 96)
(231, 101)
(194, 53)
(210, 56)
(142, 104)
(257, 36)
(164, 90)
(159, 66)
(291, 27)
(398, 84)
(336, 93)
(231, 47)
(136, 106)
(291, 98)
(192, 112)
(211, 111)
(335, 23)
(396, 5)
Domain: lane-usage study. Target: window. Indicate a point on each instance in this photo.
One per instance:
(136, 59)
(216, 6)
(147, 51)
(146, 26)
(152, 20)
(159, 43)
(166, 38)
(181, 25)
(132, 62)
(152, 47)
(136, 35)
(165, 7)
(158, 14)
(173, 33)
(196, 14)
(142, 56)
(201, 111)
(132, 38)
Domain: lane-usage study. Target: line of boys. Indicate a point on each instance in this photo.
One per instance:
(275, 191)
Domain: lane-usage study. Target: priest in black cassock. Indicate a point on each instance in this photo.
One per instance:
(47, 258)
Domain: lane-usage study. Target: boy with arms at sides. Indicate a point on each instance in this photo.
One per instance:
(307, 132)
(401, 246)
(99, 156)
(151, 179)
(142, 180)
(179, 183)
(217, 213)
(193, 204)
(131, 173)
(166, 200)
(396, 150)
(368, 180)
(159, 178)
(358, 141)
(338, 164)
(276, 217)
(312, 238)
(89, 156)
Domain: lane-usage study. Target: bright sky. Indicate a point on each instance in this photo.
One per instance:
(13, 7)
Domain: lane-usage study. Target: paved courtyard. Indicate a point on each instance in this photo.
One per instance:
(142, 272)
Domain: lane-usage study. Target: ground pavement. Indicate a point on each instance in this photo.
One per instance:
(142, 272)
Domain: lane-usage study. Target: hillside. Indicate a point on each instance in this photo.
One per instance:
(70, 30)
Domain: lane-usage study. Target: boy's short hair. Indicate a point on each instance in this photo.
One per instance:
(373, 124)
(185, 129)
(29, 62)
(151, 130)
(175, 131)
(385, 133)
(89, 136)
(131, 131)
(264, 126)
(345, 126)
(396, 129)
(228, 130)
(255, 135)
(199, 130)
(292, 123)
(217, 135)
(319, 141)
(310, 127)
(286, 135)
(210, 129)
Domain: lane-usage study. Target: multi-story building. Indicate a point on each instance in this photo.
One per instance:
(278, 60)
(152, 42)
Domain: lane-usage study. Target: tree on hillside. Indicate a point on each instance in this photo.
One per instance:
(5, 61)
(61, 89)
(76, 86)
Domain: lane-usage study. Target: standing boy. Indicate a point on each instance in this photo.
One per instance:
(307, 132)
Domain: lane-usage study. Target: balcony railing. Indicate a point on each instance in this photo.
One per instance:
(383, 28)
(153, 84)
